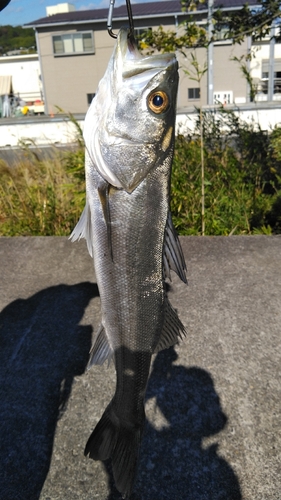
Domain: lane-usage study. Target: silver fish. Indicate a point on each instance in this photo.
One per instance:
(129, 137)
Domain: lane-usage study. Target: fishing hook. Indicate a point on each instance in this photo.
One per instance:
(110, 15)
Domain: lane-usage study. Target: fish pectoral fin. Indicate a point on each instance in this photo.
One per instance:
(173, 329)
(101, 350)
(173, 257)
(103, 190)
(83, 229)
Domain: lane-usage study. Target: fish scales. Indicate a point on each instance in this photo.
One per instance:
(135, 274)
(129, 136)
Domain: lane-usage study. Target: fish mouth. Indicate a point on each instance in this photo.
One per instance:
(134, 63)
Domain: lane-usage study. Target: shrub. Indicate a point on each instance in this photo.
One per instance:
(242, 178)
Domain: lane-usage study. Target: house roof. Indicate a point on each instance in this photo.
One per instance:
(140, 10)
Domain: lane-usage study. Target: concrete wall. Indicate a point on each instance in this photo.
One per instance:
(60, 130)
(39, 131)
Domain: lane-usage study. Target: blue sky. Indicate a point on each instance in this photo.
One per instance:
(19, 12)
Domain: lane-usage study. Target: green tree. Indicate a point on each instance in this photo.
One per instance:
(17, 38)
(235, 25)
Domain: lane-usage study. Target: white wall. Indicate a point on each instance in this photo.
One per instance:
(46, 131)
(262, 116)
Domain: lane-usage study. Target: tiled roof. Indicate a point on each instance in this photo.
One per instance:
(139, 10)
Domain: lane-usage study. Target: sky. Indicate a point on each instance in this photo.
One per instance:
(19, 12)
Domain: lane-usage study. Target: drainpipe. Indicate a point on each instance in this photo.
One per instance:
(42, 74)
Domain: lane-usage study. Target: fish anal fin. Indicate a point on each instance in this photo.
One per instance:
(172, 330)
(101, 350)
(83, 229)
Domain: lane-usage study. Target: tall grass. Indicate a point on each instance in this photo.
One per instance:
(242, 184)
(42, 197)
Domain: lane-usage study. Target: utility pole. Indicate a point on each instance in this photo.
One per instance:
(249, 48)
(46, 110)
(270, 90)
(210, 56)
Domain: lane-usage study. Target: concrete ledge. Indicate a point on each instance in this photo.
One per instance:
(213, 402)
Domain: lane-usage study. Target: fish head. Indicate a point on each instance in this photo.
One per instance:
(129, 127)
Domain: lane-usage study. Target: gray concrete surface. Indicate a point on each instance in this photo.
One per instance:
(213, 402)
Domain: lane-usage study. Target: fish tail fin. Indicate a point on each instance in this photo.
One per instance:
(119, 441)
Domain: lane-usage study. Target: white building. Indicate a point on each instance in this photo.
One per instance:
(266, 64)
(20, 77)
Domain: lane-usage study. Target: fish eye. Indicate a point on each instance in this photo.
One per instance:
(158, 101)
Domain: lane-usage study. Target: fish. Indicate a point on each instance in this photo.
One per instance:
(129, 134)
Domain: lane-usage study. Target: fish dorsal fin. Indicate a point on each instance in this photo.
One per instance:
(101, 350)
(173, 257)
(83, 229)
(172, 330)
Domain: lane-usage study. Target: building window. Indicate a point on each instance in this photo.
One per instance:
(220, 36)
(193, 94)
(276, 77)
(73, 43)
(224, 97)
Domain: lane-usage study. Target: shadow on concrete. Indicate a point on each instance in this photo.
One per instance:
(173, 458)
(42, 348)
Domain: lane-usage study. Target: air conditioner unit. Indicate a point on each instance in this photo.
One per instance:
(223, 97)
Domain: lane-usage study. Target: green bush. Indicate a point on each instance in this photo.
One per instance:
(242, 178)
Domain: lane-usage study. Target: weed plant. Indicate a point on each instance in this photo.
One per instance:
(242, 183)
(42, 197)
(242, 178)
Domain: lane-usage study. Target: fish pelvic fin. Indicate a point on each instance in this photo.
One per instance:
(83, 229)
(119, 441)
(173, 329)
(173, 257)
(101, 349)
